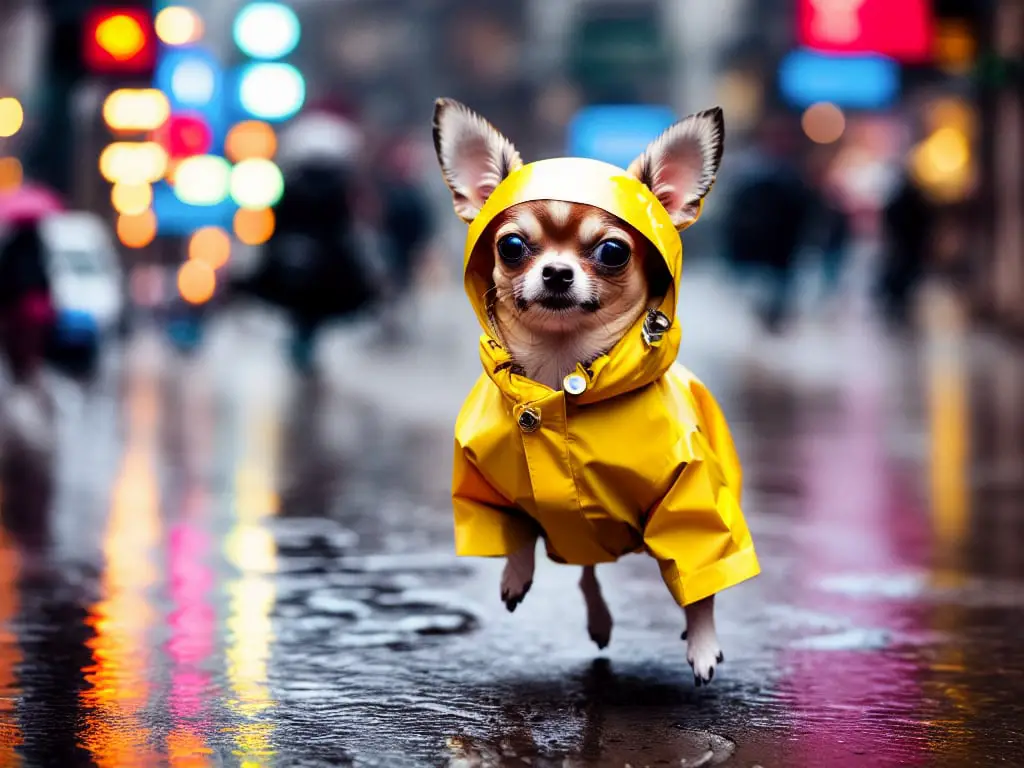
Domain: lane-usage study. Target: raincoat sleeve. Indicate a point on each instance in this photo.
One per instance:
(697, 530)
(486, 523)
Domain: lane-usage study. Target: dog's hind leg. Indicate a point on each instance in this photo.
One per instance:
(599, 618)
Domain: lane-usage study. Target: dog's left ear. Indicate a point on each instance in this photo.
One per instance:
(680, 166)
(474, 156)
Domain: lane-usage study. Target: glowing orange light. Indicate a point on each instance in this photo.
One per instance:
(121, 36)
(10, 174)
(251, 139)
(133, 162)
(136, 230)
(254, 227)
(178, 25)
(210, 245)
(824, 122)
(196, 281)
(131, 199)
(136, 109)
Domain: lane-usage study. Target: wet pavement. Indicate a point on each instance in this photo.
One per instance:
(233, 567)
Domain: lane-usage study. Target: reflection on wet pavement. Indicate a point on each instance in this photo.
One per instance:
(272, 585)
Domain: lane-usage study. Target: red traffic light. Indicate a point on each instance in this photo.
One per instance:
(185, 135)
(119, 41)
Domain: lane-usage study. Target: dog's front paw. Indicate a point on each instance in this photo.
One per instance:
(516, 580)
(704, 655)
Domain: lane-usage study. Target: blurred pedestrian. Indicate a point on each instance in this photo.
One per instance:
(406, 226)
(320, 263)
(835, 237)
(767, 216)
(26, 321)
(26, 302)
(908, 221)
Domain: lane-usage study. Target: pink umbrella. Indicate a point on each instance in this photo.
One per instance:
(28, 203)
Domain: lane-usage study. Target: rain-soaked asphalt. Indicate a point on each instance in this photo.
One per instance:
(232, 567)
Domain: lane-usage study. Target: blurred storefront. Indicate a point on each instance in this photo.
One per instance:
(1001, 286)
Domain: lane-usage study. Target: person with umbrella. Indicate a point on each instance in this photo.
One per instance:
(27, 312)
(26, 302)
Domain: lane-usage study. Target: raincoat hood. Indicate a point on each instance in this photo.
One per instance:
(632, 454)
(640, 357)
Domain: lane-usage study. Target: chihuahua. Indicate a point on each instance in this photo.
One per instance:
(569, 280)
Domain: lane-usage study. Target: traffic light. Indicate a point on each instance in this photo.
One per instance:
(119, 41)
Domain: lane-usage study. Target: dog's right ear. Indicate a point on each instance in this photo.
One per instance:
(474, 156)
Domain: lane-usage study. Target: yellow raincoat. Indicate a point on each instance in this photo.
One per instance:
(639, 458)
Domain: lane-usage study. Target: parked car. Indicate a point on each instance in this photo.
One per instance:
(87, 285)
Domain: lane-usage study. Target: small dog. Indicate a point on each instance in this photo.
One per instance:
(568, 282)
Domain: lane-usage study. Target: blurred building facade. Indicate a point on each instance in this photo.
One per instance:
(529, 66)
(1000, 287)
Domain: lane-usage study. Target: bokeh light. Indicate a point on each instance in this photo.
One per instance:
(136, 109)
(256, 183)
(11, 174)
(250, 139)
(196, 281)
(178, 25)
(823, 122)
(254, 226)
(136, 230)
(131, 199)
(202, 180)
(272, 91)
(133, 162)
(193, 82)
(210, 245)
(185, 135)
(266, 30)
(12, 116)
(121, 36)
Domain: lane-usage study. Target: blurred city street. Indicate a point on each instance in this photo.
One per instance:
(242, 567)
(240, 313)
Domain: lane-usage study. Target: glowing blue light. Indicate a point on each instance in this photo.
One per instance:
(266, 30)
(271, 91)
(616, 133)
(189, 77)
(865, 82)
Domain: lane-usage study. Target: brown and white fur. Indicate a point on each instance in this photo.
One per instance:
(567, 297)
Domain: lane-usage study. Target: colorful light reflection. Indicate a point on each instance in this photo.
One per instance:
(114, 731)
(250, 547)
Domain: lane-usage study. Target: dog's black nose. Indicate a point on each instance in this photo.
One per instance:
(557, 277)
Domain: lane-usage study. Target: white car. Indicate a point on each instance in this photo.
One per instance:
(85, 270)
(86, 279)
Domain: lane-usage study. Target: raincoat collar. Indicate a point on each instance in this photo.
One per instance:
(648, 349)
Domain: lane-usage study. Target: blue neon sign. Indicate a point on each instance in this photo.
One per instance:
(864, 82)
(616, 133)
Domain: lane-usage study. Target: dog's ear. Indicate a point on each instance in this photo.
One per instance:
(475, 157)
(680, 166)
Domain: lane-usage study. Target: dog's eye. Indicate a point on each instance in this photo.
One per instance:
(512, 249)
(613, 254)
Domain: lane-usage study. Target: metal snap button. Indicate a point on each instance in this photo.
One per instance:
(529, 420)
(655, 326)
(574, 384)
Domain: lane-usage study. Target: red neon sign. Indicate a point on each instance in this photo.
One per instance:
(900, 29)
